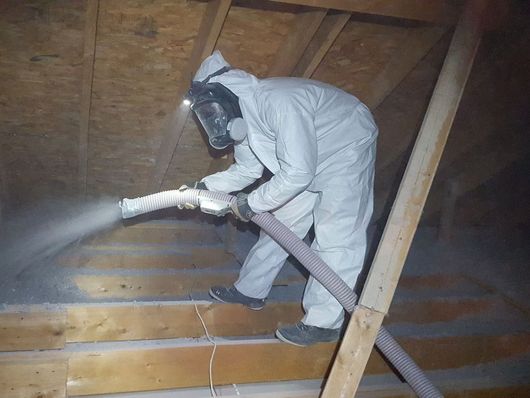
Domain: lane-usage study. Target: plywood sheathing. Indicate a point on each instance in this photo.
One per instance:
(41, 68)
(141, 50)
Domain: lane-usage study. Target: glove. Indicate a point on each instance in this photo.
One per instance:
(241, 208)
(192, 185)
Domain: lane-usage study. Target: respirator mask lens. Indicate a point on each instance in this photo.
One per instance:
(213, 119)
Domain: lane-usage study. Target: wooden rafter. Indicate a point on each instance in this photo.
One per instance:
(209, 31)
(439, 11)
(322, 41)
(305, 26)
(89, 55)
(380, 286)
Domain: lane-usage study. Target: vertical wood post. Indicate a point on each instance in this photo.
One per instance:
(390, 257)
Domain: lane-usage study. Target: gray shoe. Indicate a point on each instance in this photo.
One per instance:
(232, 295)
(303, 335)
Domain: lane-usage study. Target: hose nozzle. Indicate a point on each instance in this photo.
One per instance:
(129, 208)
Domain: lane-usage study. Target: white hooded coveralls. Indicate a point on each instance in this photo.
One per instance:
(319, 143)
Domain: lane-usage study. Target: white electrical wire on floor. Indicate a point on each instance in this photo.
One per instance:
(210, 369)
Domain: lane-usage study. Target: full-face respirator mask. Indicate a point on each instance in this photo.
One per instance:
(217, 109)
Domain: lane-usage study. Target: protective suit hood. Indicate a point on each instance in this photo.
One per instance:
(238, 81)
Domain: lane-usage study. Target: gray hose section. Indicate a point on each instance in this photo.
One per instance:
(388, 346)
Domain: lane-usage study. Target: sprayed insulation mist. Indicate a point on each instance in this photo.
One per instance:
(31, 238)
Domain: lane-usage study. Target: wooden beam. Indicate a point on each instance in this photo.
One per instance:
(38, 327)
(209, 31)
(161, 365)
(144, 366)
(151, 368)
(34, 378)
(416, 45)
(439, 11)
(322, 41)
(304, 28)
(174, 320)
(32, 329)
(89, 55)
(206, 257)
(163, 286)
(157, 236)
(391, 254)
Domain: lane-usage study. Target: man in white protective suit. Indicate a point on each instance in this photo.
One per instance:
(319, 143)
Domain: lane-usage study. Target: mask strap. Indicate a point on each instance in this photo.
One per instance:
(224, 69)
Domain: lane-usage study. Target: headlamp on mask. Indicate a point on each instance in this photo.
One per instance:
(215, 106)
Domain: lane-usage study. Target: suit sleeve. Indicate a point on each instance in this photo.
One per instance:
(245, 170)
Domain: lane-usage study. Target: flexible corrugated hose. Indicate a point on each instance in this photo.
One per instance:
(388, 346)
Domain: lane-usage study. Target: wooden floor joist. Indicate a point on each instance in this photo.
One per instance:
(162, 286)
(105, 368)
(159, 321)
(137, 259)
(35, 328)
(33, 378)
(157, 236)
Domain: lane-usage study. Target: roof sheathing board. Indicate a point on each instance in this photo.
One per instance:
(41, 46)
(142, 47)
